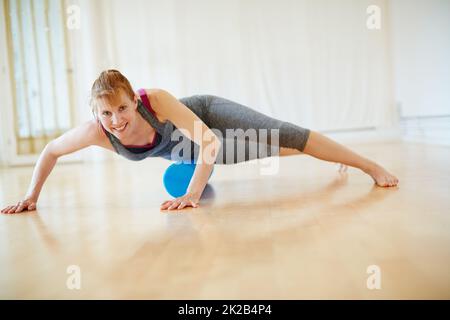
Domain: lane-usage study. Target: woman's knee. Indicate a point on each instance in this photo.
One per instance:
(289, 152)
(293, 136)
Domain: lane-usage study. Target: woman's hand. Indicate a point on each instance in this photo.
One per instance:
(188, 200)
(27, 204)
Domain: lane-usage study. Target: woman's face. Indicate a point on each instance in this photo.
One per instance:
(118, 114)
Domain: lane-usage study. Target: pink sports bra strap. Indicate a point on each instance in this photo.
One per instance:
(145, 100)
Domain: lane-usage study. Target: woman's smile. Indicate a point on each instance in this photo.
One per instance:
(121, 128)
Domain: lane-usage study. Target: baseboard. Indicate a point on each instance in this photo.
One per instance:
(434, 131)
(365, 135)
(430, 130)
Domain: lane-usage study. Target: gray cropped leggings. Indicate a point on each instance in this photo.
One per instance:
(245, 133)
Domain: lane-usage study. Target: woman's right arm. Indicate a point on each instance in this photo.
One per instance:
(73, 140)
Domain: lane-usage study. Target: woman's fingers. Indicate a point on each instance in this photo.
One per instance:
(178, 204)
(19, 207)
(6, 209)
(175, 204)
(169, 204)
(165, 203)
(12, 209)
(182, 205)
(193, 204)
(187, 203)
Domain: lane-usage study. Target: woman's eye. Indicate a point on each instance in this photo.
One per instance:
(106, 113)
(122, 108)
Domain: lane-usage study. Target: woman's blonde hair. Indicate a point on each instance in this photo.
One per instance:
(108, 85)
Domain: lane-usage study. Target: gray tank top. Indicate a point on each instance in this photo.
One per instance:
(163, 144)
(219, 115)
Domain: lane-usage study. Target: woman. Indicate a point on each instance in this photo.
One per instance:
(142, 125)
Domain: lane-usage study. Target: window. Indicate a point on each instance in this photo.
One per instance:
(39, 71)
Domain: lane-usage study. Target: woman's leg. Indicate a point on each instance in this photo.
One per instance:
(289, 152)
(326, 149)
(223, 114)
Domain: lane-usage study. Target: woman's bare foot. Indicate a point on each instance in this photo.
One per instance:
(342, 168)
(381, 177)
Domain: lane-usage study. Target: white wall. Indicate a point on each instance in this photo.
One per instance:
(89, 55)
(312, 62)
(420, 39)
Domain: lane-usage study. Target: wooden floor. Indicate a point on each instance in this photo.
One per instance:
(306, 232)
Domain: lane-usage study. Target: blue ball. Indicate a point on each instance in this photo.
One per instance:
(177, 177)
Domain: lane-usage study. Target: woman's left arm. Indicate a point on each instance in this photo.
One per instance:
(195, 129)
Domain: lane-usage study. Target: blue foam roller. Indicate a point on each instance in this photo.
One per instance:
(177, 177)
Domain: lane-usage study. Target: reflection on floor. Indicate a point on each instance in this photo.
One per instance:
(304, 232)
